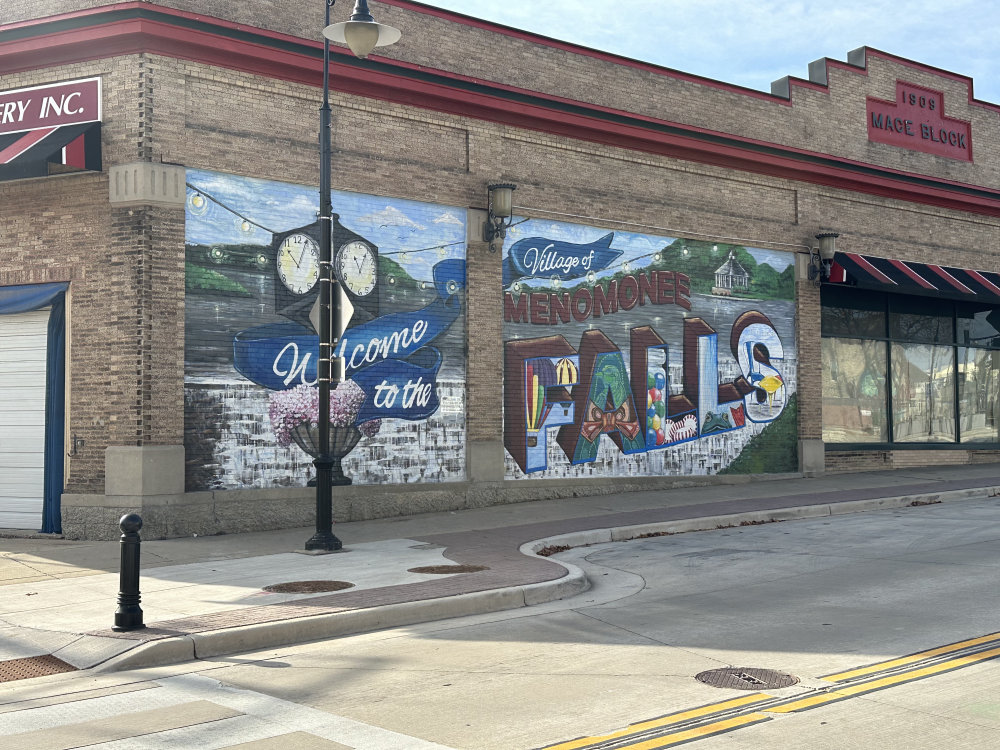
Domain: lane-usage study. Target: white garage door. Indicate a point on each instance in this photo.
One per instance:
(22, 418)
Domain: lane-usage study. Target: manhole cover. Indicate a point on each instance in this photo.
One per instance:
(746, 678)
(308, 587)
(34, 666)
(446, 569)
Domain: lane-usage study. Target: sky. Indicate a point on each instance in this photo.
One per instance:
(754, 42)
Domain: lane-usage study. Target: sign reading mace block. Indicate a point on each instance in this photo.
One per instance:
(916, 120)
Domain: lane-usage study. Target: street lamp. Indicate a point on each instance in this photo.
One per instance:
(362, 35)
(821, 258)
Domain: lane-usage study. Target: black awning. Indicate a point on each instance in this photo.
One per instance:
(37, 153)
(906, 277)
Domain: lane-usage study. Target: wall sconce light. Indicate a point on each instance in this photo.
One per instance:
(821, 258)
(499, 212)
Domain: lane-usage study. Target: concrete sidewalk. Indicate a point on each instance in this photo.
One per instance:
(204, 597)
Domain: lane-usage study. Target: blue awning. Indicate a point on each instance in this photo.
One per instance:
(25, 298)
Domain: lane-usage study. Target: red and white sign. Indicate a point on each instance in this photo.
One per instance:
(45, 108)
(916, 121)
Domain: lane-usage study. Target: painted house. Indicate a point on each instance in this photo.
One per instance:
(731, 275)
(159, 268)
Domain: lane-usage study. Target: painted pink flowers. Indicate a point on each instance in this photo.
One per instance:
(300, 405)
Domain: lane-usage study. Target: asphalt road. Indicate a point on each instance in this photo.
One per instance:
(815, 599)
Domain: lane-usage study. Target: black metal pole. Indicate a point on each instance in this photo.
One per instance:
(128, 616)
(324, 538)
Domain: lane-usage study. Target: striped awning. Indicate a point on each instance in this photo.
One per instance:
(30, 153)
(907, 277)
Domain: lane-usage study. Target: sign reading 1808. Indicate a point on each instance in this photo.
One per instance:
(916, 120)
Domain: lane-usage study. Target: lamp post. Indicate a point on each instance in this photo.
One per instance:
(362, 35)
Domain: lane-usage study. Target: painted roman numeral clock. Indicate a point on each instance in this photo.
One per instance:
(355, 265)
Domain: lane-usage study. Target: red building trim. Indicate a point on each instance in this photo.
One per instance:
(579, 49)
(134, 27)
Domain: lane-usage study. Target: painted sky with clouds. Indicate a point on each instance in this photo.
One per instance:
(752, 44)
(245, 210)
(635, 247)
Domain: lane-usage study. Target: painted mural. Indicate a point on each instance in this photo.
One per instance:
(251, 342)
(631, 354)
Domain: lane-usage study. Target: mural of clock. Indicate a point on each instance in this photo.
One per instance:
(355, 264)
(356, 267)
(298, 262)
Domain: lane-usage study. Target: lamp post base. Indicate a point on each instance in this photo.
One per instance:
(128, 617)
(324, 541)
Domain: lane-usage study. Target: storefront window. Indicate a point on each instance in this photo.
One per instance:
(854, 377)
(979, 395)
(978, 325)
(943, 369)
(851, 312)
(922, 319)
(923, 393)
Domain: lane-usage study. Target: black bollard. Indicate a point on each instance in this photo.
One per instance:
(129, 614)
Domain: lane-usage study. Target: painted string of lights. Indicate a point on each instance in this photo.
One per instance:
(198, 201)
(820, 255)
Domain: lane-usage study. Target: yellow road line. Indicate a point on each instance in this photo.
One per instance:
(664, 721)
(698, 733)
(669, 739)
(873, 685)
(902, 661)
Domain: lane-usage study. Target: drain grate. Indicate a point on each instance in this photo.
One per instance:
(446, 569)
(746, 678)
(308, 587)
(33, 666)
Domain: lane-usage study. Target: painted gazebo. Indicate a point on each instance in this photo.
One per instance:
(731, 276)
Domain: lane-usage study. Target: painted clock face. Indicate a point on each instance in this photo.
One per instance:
(298, 263)
(356, 267)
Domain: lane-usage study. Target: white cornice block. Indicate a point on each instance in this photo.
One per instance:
(147, 184)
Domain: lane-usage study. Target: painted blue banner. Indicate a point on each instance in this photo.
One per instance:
(388, 357)
(538, 257)
(396, 335)
(278, 356)
(283, 355)
(400, 388)
(449, 277)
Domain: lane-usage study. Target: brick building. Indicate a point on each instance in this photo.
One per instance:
(158, 172)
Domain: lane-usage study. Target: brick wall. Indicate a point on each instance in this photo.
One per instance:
(484, 415)
(126, 265)
(54, 229)
(841, 462)
(825, 120)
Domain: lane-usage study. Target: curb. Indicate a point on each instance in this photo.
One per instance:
(301, 630)
(748, 518)
(304, 629)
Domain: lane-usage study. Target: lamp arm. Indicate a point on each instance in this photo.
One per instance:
(361, 12)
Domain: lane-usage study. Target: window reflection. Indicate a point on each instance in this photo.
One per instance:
(923, 393)
(921, 319)
(979, 395)
(978, 325)
(942, 381)
(851, 312)
(854, 391)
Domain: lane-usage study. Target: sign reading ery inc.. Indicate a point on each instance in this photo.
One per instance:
(916, 120)
(40, 107)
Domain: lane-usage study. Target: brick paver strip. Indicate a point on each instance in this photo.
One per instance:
(497, 548)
